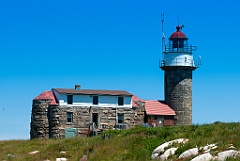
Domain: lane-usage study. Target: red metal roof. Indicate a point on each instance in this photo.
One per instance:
(93, 92)
(47, 95)
(178, 34)
(134, 100)
(155, 107)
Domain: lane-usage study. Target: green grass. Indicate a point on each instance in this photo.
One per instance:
(135, 144)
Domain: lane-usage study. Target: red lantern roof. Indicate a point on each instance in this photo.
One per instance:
(178, 34)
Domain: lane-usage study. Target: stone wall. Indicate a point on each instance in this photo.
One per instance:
(178, 93)
(50, 121)
(82, 118)
(39, 119)
(55, 122)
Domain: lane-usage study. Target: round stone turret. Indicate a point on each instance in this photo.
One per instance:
(40, 122)
(39, 119)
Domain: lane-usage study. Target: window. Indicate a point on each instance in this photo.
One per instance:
(120, 101)
(69, 117)
(120, 118)
(95, 100)
(69, 99)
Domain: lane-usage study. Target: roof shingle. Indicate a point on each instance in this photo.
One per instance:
(154, 107)
(47, 95)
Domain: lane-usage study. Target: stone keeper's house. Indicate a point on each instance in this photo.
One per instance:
(63, 113)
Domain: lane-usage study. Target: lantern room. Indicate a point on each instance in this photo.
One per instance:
(178, 40)
(178, 52)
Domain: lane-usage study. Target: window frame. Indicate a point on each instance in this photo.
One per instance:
(120, 101)
(95, 100)
(120, 117)
(70, 99)
(69, 119)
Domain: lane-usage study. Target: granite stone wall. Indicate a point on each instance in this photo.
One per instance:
(50, 121)
(178, 93)
(39, 119)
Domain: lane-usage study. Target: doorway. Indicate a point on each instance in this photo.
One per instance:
(160, 121)
(95, 119)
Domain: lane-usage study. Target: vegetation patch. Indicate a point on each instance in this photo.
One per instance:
(134, 144)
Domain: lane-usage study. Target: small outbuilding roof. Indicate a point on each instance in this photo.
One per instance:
(93, 92)
(47, 95)
(154, 107)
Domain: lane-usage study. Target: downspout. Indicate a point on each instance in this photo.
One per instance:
(116, 112)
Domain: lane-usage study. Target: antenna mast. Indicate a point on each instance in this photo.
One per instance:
(178, 18)
(163, 36)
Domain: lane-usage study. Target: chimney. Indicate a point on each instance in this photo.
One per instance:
(77, 87)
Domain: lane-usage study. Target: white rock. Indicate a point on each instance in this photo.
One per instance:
(61, 159)
(227, 154)
(203, 157)
(34, 152)
(188, 153)
(207, 148)
(167, 154)
(11, 156)
(154, 156)
(160, 149)
(63, 152)
(232, 147)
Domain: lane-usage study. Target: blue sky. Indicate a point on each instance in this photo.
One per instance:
(114, 45)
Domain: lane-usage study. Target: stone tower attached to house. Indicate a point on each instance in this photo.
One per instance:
(178, 65)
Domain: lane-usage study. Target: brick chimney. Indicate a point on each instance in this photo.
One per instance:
(77, 87)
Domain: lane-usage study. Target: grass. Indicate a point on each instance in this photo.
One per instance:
(135, 144)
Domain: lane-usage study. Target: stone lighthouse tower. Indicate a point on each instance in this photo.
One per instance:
(178, 65)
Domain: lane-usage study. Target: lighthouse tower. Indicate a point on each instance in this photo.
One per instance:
(178, 65)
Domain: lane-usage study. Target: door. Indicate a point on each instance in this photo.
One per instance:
(160, 121)
(95, 119)
(70, 132)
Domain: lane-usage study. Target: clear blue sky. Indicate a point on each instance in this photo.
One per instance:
(114, 44)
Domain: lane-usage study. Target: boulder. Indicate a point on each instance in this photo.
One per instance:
(61, 159)
(84, 158)
(160, 149)
(232, 147)
(226, 154)
(207, 148)
(167, 154)
(203, 157)
(34, 152)
(10, 156)
(195, 151)
(189, 153)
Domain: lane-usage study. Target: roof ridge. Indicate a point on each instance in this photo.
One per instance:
(93, 89)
